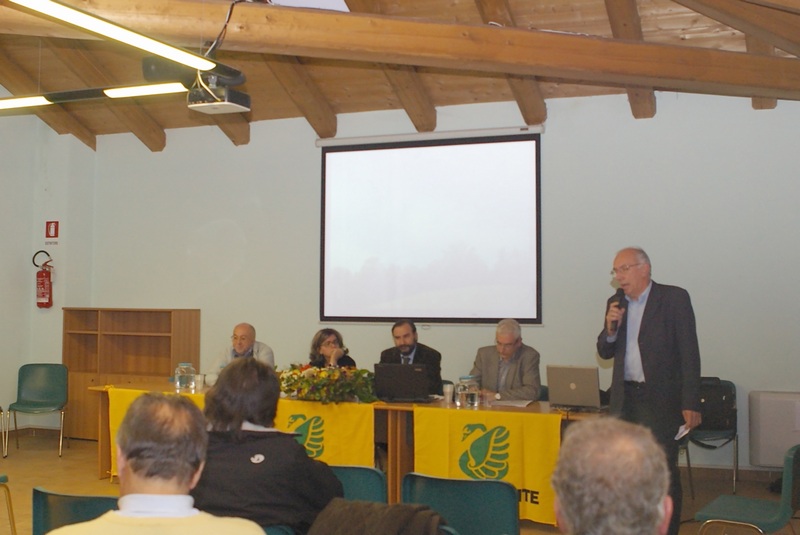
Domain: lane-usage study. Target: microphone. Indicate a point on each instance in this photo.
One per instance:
(620, 295)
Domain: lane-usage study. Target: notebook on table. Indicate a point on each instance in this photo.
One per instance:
(401, 382)
(574, 388)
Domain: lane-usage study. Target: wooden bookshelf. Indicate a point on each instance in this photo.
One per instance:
(115, 345)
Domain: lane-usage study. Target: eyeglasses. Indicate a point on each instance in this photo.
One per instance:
(331, 343)
(243, 338)
(505, 346)
(624, 269)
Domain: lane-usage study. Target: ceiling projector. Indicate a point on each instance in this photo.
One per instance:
(220, 100)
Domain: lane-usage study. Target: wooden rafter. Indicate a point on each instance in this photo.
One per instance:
(13, 78)
(623, 15)
(75, 56)
(525, 89)
(404, 80)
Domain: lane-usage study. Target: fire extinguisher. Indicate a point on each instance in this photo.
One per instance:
(44, 281)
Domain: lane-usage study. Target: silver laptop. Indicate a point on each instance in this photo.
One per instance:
(574, 387)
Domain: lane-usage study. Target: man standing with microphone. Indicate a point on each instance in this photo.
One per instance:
(650, 333)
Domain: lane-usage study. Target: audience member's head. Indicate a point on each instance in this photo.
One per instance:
(243, 338)
(611, 479)
(162, 441)
(508, 337)
(247, 390)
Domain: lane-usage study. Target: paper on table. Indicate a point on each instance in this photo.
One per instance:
(682, 432)
(511, 402)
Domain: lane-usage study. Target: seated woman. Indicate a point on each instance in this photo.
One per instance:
(328, 350)
(253, 470)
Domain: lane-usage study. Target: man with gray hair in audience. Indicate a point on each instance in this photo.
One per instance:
(611, 479)
(161, 451)
(509, 369)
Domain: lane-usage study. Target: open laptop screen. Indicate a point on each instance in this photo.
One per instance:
(574, 386)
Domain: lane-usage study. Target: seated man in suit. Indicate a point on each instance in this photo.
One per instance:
(407, 350)
(161, 451)
(509, 369)
(611, 479)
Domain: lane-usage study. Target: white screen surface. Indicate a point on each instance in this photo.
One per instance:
(433, 231)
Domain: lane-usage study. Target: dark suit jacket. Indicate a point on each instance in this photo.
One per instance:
(431, 358)
(670, 355)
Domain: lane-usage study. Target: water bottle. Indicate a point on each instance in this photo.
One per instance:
(468, 393)
(184, 377)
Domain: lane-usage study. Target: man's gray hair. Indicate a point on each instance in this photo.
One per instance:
(509, 326)
(641, 256)
(611, 479)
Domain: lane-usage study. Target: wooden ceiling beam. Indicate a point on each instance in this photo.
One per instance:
(526, 90)
(757, 46)
(623, 15)
(579, 58)
(790, 6)
(778, 28)
(13, 78)
(404, 79)
(75, 57)
(235, 126)
(305, 94)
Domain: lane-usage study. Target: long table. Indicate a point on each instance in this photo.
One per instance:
(398, 419)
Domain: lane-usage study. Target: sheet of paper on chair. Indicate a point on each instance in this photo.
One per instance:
(682, 432)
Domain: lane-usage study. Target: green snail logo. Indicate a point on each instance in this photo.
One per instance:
(311, 431)
(486, 455)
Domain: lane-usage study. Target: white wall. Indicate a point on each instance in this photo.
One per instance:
(707, 187)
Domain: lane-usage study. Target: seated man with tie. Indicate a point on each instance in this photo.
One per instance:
(406, 350)
(509, 369)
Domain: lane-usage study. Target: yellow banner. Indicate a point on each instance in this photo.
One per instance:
(337, 433)
(119, 399)
(518, 447)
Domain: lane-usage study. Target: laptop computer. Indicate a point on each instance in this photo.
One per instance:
(401, 382)
(574, 388)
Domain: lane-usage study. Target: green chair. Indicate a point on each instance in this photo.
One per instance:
(3, 432)
(759, 515)
(544, 393)
(362, 483)
(470, 506)
(41, 388)
(279, 530)
(4, 485)
(52, 510)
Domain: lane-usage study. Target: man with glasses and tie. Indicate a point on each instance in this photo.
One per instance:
(509, 369)
(407, 350)
(244, 344)
(650, 333)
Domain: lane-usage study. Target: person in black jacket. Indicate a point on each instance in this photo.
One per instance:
(407, 350)
(253, 470)
(328, 350)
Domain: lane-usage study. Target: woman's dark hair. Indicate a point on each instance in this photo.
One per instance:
(246, 390)
(316, 343)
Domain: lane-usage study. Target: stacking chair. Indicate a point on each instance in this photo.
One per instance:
(279, 530)
(470, 506)
(759, 515)
(4, 485)
(52, 510)
(362, 483)
(719, 426)
(3, 432)
(41, 388)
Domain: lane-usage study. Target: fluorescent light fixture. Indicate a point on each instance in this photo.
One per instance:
(145, 90)
(94, 93)
(108, 29)
(22, 102)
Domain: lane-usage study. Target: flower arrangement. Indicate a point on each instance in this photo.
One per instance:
(328, 384)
